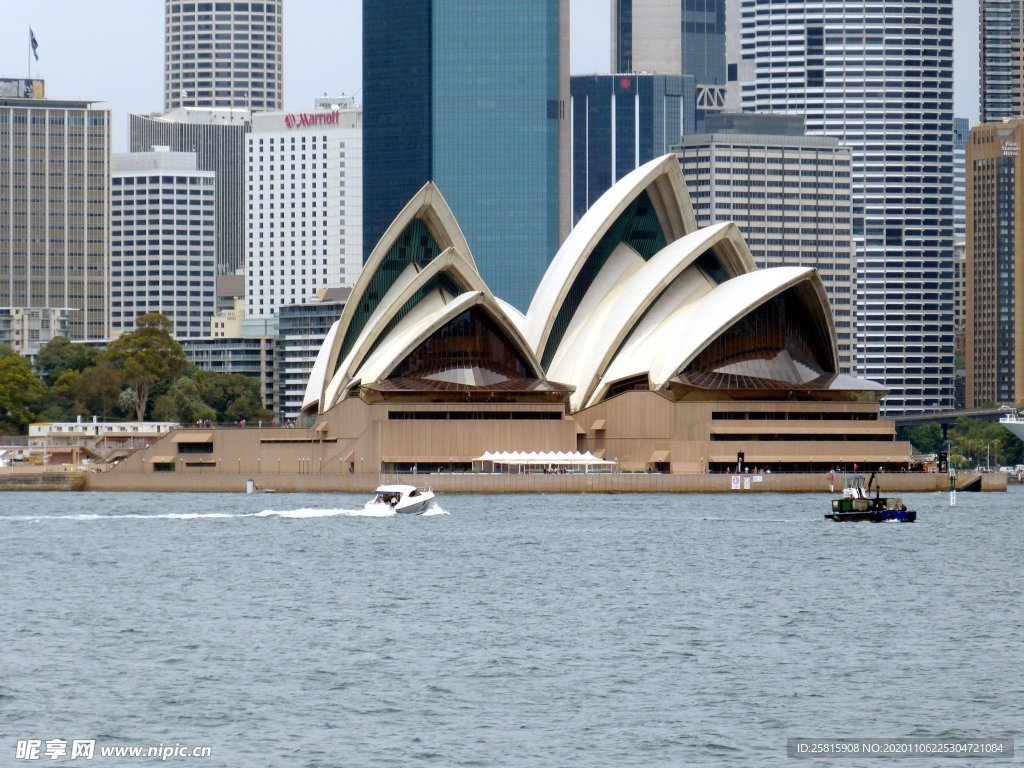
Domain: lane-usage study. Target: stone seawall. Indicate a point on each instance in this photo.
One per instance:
(297, 482)
(42, 481)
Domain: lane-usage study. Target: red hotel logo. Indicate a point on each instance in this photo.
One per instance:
(306, 119)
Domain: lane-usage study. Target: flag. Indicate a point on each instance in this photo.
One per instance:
(33, 43)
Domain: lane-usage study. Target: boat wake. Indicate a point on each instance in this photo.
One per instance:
(167, 516)
(305, 514)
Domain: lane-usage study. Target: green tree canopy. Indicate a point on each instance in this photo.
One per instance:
(98, 389)
(20, 392)
(148, 359)
(926, 438)
(980, 442)
(59, 355)
(233, 396)
(182, 403)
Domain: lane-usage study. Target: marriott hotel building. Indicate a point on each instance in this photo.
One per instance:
(304, 181)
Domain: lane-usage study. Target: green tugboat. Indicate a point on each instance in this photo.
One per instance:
(858, 506)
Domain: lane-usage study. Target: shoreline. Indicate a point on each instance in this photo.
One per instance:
(70, 479)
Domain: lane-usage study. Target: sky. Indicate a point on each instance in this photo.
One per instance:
(111, 51)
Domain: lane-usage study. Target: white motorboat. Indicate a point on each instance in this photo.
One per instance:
(403, 499)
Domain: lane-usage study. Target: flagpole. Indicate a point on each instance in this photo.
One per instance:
(30, 52)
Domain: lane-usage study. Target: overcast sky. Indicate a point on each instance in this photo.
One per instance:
(112, 50)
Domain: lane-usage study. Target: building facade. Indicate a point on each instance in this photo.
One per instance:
(619, 122)
(302, 329)
(1001, 27)
(54, 217)
(251, 356)
(163, 241)
(223, 54)
(857, 74)
(961, 133)
(26, 330)
(674, 37)
(473, 96)
(304, 193)
(789, 194)
(217, 137)
(995, 253)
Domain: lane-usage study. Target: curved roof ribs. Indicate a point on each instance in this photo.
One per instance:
(592, 342)
(662, 181)
(410, 334)
(461, 277)
(730, 302)
(694, 325)
(427, 210)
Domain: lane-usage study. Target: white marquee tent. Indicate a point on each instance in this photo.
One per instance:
(523, 461)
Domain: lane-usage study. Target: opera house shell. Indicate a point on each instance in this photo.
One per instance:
(650, 341)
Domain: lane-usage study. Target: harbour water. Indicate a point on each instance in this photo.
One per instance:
(547, 630)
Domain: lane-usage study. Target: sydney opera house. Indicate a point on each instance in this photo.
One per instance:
(652, 343)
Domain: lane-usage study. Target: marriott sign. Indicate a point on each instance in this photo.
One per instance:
(308, 119)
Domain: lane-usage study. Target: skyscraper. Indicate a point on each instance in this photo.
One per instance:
(54, 220)
(1001, 24)
(472, 95)
(162, 241)
(619, 122)
(961, 132)
(882, 83)
(223, 54)
(673, 37)
(217, 137)
(995, 255)
(304, 193)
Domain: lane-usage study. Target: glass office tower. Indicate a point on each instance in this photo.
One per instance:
(473, 96)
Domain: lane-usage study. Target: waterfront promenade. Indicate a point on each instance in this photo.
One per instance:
(66, 478)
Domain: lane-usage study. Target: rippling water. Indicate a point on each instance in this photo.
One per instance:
(594, 630)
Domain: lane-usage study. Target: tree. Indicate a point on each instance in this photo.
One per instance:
(926, 438)
(148, 359)
(59, 355)
(182, 403)
(98, 389)
(20, 391)
(984, 441)
(233, 396)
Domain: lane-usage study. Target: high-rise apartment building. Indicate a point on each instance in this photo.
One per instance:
(162, 256)
(674, 37)
(305, 174)
(789, 194)
(217, 137)
(620, 122)
(879, 77)
(1001, 24)
(994, 271)
(54, 220)
(472, 95)
(302, 329)
(223, 54)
